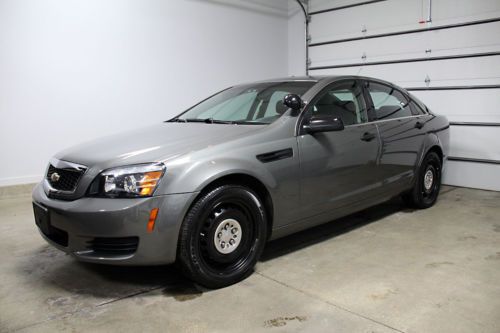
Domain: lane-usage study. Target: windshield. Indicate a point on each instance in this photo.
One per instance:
(260, 103)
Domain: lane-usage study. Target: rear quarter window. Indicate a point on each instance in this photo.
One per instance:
(389, 102)
(416, 110)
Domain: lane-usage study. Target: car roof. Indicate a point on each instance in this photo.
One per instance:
(323, 78)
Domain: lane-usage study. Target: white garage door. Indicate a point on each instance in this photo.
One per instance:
(448, 56)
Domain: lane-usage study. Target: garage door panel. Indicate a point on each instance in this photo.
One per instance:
(475, 142)
(381, 17)
(469, 174)
(472, 105)
(389, 48)
(470, 39)
(452, 9)
(349, 22)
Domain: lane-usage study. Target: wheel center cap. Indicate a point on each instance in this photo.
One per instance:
(428, 179)
(227, 236)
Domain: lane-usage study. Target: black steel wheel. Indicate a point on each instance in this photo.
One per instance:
(222, 236)
(427, 183)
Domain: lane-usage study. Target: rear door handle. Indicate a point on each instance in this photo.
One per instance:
(368, 136)
(419, 125)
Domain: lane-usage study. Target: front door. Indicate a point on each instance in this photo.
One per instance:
(338, 167)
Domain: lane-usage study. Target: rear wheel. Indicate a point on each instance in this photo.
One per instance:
(222, 236)
(427, 183)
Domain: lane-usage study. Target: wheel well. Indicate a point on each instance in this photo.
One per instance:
(438, 151)
(253, 183)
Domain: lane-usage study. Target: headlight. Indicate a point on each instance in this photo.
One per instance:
(130, 182)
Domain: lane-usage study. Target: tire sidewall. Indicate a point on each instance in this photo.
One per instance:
(431, 161)
(190, 255)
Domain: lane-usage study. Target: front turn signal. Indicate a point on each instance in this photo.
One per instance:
(152, 219)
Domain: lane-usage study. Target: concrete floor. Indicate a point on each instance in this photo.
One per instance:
(382, 270)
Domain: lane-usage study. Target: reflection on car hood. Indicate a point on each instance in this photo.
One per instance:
(152, 144)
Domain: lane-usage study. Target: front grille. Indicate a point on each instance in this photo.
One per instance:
(114, 246)
(67, 180)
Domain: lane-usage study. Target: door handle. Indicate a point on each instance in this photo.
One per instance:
(419, 125)
(368, 136)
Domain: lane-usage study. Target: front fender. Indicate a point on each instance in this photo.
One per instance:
(198, 175)
(281, 177)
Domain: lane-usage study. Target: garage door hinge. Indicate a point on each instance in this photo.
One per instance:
(427, 80)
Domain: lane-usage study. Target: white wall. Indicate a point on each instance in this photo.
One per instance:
(75, 70)
(296, 40)
(458, 105)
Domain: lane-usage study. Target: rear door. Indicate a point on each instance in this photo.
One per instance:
(401, 130)
(337, 168)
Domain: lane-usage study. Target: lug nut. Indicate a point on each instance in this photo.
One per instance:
(234, 230)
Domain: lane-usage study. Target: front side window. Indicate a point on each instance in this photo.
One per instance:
(344, 101)
(388, 102)
(260, 103)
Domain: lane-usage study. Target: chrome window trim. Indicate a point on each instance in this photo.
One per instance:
(385, 120)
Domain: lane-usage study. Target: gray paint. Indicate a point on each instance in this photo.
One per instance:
(329, 175)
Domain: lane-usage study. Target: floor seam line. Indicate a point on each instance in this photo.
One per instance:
(450, 190)
(330, 303)
(71, 313)
(128, 296)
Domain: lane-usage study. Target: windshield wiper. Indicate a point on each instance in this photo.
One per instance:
(216, 121)
(247, 122)
(204, 120)
(176, 120)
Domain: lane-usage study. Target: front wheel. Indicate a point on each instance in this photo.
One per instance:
(222, 236)
(427, 183)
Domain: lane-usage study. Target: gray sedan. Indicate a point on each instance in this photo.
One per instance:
(251, 163)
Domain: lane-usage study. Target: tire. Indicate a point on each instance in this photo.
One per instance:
(427, 183)
(222, 236)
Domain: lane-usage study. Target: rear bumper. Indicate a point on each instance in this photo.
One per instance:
(114, 231)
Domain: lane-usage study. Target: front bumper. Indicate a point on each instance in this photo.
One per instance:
(92, 229)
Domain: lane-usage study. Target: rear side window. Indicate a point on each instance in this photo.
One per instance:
(388, 102)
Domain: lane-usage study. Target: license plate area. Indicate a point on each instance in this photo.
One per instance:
(42, 218)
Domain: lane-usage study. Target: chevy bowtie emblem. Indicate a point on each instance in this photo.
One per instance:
(55, 177)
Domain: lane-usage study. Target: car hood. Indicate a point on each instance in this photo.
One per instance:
(157, 143)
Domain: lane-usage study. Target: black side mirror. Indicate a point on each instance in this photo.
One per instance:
(323, 124)
(293, 101)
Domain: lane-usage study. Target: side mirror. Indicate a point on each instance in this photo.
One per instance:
(293, 101)
(323, 124)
